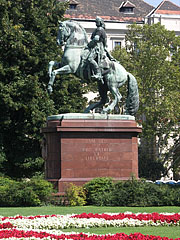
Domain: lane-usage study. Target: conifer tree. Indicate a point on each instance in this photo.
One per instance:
(28, 31)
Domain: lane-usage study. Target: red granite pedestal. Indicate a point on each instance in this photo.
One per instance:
(78, 150)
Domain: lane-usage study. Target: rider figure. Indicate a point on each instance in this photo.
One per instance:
(98, 49)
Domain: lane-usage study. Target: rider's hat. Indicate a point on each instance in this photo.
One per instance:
(99, 19)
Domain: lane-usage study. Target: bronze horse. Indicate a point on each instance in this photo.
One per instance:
(74, 38)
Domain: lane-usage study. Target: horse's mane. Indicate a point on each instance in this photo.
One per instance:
(85, 34)
(79, 25)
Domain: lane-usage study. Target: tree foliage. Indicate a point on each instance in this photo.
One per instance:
(28, 31)
(152, 55)
(68, 94)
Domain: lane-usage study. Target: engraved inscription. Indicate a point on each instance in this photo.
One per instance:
(102, 149)
(96, 150)
(96, 154)
(96, 141)
(96, 158)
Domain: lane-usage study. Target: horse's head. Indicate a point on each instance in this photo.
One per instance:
(71, 33)
(63, 33)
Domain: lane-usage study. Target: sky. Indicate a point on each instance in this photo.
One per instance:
(155, 3)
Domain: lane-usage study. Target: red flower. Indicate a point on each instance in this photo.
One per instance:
(149, 216)
(81, 236)
(6, 225)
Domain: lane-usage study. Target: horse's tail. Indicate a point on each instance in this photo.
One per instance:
(132, 101)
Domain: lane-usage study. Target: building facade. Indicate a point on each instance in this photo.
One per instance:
(168, 14)
(118, 14)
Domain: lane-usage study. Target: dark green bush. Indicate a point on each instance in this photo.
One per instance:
(141, 193)
(33, 192)
(8, 188)
(129, 193)
(152, 195)
(14, 194)
(177, 196)
(99, 191)
(133, 192)
(42, 188)
(22, 195)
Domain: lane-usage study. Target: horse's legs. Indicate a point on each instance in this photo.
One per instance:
(117, 109)
(103, 94)
(92, 106)
(50, 68)
(63, 70)
(117, 97)
(51, 65)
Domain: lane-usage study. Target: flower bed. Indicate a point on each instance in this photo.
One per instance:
(15, 234)
(155, 217)
(51, 226)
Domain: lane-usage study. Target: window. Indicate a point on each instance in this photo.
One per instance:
(126, 9)
(72, 6)
(116, 43)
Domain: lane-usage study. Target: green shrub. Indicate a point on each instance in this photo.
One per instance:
(3, 195)
(33, 192)
(42, 188)
(168, 194)
(133, 192)
(141, 193)
(75, 195)
(129, 193)
(15, 194)
(7, 187)
(99, 191)
(152, 194)
(4, 181)
(177, 196)
(23, 195)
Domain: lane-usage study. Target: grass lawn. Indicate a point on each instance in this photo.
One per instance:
(27, 211)
(171, 232)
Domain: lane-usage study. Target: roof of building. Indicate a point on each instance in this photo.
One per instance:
(73, 2)
(109, 10)
(167, 7)
(127, 4)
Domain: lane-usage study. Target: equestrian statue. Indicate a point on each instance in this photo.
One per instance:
(92, 61)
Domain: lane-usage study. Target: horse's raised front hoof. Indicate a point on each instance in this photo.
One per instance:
(50, 89)
(49, 73)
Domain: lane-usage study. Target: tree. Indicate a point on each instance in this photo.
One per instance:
(28, 31)
(68, 94)
(152, 55)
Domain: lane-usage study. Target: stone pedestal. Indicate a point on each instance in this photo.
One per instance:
(78, 149)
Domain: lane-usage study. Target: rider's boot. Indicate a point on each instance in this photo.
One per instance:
(98, 76)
